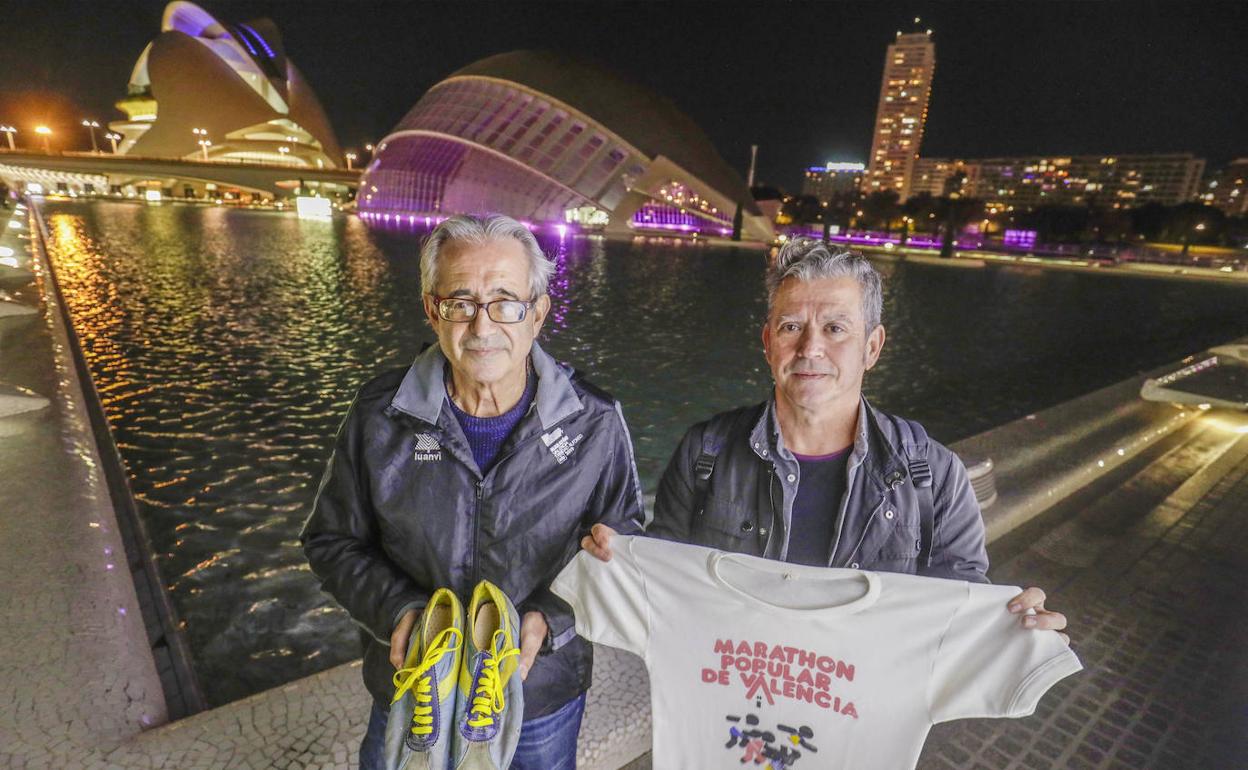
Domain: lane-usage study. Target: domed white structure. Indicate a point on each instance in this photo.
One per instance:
(546, 138)
(205, 88)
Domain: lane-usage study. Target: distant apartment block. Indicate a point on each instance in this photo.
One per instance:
(1120, 181)
(944, 176)
(1227, 189)
(833, 181)
(907, 85)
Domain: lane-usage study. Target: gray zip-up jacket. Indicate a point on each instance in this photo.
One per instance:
(403, 510)
(749, 504)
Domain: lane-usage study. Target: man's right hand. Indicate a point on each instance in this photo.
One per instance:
(398, 639)
(598, 541)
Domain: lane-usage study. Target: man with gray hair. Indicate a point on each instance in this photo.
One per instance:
(816, 475)
(485, 460)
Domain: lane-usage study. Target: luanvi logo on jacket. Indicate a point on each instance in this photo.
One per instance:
(427, 449)
(560, 445)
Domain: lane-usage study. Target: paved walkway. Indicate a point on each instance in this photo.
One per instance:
(75, 676)
(1151, 577)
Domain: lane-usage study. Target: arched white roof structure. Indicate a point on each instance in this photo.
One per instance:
(544, 137)
(232, 82)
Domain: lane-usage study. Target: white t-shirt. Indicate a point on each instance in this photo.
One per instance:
(760, 663)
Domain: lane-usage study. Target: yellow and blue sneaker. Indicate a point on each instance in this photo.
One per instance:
(491, 695)
(422, 714)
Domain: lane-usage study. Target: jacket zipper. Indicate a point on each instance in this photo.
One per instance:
(476, 519)
(771, 498)
(476, 534)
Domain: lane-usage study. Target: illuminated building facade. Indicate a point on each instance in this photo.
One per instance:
(1118, 181)
(909, 66)
(205, 89)
(834, 181)
(544, 138)
(944, 176)
(1228, 189)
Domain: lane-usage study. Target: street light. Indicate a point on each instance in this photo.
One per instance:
(369, 147)
(350, 157)
(45, 132)
(9, 132)
(284, 151)
(113, 137)
(202, 141)
(91, 125)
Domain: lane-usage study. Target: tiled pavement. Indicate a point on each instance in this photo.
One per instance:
(1157, 601)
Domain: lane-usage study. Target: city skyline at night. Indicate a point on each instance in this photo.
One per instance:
(802, 80)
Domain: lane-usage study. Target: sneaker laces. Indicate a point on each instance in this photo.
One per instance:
(419, 678)
(489, 699)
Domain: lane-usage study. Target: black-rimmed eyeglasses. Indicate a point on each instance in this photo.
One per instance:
(462, 310)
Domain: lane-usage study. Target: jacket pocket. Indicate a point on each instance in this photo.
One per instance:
(902, 542)
(726, 525)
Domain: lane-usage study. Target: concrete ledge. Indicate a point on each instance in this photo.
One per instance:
(1042, 458)
(12, 309)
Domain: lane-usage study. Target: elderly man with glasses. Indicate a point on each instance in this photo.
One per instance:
(484, 460)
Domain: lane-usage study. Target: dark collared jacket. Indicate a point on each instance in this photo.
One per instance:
(749, 504)
(403, 510)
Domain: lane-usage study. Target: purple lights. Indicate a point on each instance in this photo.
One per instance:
(1021, 239)
(658, 216)
(259, 39)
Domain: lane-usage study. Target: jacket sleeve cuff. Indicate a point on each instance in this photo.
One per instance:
(409, 604)
(560, 621)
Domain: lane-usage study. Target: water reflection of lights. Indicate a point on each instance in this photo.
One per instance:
(1231, 423)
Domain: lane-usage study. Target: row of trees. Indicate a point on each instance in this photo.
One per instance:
(936, 216)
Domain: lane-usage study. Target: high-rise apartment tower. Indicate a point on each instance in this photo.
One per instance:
(904, 92)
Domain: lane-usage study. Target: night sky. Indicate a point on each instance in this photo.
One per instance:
(799, 79)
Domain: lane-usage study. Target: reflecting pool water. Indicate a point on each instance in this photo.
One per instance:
(226, 345)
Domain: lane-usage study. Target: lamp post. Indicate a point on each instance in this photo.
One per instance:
(45, 132)
(284, 150)
(113, 137)
(201, 135)
(369, 147)
(350, 159)
(1187, 237)
(9, 131)
(91, 125)
(204, 144)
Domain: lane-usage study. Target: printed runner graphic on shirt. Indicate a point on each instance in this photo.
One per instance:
(758, 747)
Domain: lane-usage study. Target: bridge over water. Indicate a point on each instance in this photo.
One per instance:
(104, 171)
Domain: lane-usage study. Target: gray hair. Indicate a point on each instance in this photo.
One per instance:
(807, 259)
(465, 228)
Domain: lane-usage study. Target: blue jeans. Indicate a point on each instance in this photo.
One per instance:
(546, 743)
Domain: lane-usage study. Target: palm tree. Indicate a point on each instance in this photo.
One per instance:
(880, 209)
(955, 212)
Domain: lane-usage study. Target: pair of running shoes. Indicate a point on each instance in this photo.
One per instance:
(458, 699)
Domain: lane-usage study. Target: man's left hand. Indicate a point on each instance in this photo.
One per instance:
(532, 634)
(1043, 620)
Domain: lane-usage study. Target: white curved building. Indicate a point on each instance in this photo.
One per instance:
(545, 138)
(225, 91)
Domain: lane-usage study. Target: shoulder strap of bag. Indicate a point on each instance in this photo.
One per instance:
(921, 478)
(713, 438)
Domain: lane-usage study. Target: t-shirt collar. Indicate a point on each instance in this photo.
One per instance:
(869, 582)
